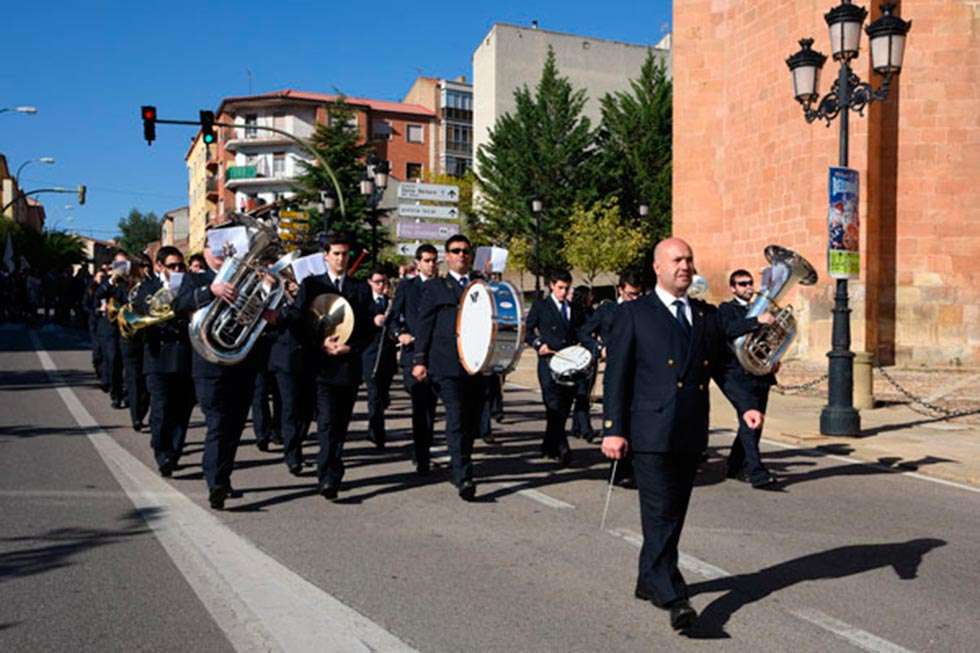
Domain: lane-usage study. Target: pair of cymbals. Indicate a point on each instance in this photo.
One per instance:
(332, 315)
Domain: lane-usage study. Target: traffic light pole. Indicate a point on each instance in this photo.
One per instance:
(21, 196)
(298, 141)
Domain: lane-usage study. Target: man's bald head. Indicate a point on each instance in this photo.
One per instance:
(673, 263)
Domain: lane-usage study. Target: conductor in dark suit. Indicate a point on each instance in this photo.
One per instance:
(744, 461)
(403, 320)
(436, 358)
(663, 350)
(552, 324)
(167, 368)
(380, 359)
(337, 366)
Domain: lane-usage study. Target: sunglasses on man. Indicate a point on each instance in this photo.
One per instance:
(743, 284)
(176, 267)
(459, 250)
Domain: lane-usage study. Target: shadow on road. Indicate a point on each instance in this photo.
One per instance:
(743, 589)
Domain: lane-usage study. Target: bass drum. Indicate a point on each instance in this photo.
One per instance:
(489, 327)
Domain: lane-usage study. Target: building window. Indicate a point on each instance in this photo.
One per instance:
(414, 134)
(413, 170)
(380, 130)
(278, 164)
(251, 120)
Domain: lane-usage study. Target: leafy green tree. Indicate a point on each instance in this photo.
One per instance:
(543, 149)
(44, 251)
(636, 152)
(137, 230)
(600, 240)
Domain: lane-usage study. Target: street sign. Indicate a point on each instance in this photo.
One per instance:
(408, 249)
(433, 192)
(422, 211)
(425, 230)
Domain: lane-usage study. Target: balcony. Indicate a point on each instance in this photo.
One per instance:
(211, 186)
(244, 138)
(464, 148)
(459, 115)
(254, 176)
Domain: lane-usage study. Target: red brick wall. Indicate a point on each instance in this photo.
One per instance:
(397, 149)
(749, 171)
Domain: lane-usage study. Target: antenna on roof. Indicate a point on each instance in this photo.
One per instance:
(534, 24)
(249, 73)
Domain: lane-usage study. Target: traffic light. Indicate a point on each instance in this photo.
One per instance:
(149, 115)
(207, 127)
(81, 194)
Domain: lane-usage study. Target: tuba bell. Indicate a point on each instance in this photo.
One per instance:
(225, 333)
(760, 350)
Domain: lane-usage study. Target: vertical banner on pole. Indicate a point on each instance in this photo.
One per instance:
(844, 227)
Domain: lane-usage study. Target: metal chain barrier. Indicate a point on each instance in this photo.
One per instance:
(802, 387)
(914, 400)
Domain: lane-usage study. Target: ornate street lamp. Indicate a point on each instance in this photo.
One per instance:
(847, 93)
(644, 211)
(373, 186)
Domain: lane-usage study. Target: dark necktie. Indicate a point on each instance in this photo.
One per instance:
(340, 284)
(463, 280)
(682, 318)
(564, 311)
(382, 304)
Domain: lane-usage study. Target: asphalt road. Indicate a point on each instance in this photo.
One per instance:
(98, 553)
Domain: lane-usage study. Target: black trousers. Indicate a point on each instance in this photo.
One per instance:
(171, 402)
(136, 393)
(557, 404)
(264, 420)
(335, 406)
(582, 409)
(378, 399)
(225, 401)
(424, 399)
(665, 481)
(112, 367)
(745, 456)
(463, 398)
(297, 393)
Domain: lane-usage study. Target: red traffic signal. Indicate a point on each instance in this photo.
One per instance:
(149, 115)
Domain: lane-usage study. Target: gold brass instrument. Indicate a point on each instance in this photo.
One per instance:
(331, 315)
(159, 310)
(760, 350)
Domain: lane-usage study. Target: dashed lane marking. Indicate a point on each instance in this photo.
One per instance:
(260, 604)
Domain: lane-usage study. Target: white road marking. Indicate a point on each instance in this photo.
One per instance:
(543, 498)
(260, 604)
(858, 461)
(860, 638)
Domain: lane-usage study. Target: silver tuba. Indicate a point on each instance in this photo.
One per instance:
(224, 333)
(760, 350)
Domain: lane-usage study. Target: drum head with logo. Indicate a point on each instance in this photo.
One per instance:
(474, 327)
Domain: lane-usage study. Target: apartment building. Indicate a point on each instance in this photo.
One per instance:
(202, 190)
(451, 148)
(175, 228)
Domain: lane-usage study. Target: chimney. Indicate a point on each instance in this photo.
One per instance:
(534, 24)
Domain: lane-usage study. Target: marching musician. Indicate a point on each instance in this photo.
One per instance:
(380, 359)
(113, 292)
(266, 420)
(337, 365)
(224, 391)
(132, 352)
(166, 366)
(581, 298)
(594, 334)
(403, 319)
(552, 324)
(662, 351)
(436, 358)
(744, 460)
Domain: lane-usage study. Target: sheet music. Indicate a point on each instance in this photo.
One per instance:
(235, 237)
(307, 266)
(176, 278)
(496, 256)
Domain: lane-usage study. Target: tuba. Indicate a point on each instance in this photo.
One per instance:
(760, 350)
(225, 333)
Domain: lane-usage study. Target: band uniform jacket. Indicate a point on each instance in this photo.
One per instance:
(166, 348)
(105, 292)
(435, 342)
(732, 315)
(345, 369)
(388, 355)
(594, 332)
(404, 315)
(546, 326)
(656, 381)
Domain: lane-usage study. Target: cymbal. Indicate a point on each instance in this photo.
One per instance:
(332, 316)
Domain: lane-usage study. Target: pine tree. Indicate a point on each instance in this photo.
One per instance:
(636, 151)
(137, 230)
(543, 149)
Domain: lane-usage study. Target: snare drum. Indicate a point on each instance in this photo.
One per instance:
(570, 365)
(489, 327)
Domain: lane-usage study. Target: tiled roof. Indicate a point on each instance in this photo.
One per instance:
(376, 105)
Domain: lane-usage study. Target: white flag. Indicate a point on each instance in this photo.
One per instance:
(8, 256)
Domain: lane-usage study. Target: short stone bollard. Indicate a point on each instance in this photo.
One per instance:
(864, 398)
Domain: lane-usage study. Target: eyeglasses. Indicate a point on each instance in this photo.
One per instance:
(174, 266)
(742, 284)
(377, 281)
(459, 250)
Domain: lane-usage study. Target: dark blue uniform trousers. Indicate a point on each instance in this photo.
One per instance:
(335, 406)
(424, 401)
(463, 398)
(745, 456)
(264, 421)
(171, 403)
(665, 481)
(225, 401)
(297, 394)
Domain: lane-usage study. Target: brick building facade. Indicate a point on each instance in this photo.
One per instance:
(749, 171)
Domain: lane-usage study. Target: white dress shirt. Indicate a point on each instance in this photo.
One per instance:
(668, 301)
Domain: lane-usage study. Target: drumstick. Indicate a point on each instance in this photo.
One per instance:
(605, 511)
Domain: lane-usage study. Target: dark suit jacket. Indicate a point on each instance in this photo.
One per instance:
(733, 321)
(289, 349)
(404, 315)
(346, 369)
(166, 349)
(381, 338)
(545, 325)
(594, 332)
(107, 291)
(656, 387)
(435, 342)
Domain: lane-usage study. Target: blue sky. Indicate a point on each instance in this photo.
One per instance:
(88, 66)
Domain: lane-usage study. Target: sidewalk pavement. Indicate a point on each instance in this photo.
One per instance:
(893, 435)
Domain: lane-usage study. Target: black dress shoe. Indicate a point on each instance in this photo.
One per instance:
(467, 490)
(763, 481)
(564, 458)
(217, 496)
(329, 492)
(262, 445)
(296, 470)
(422, 468)
(138, 426)
(682, 615)
(627, 483)
(489, 439)
(276, 439)
(642, 594)
(116, 404)
(167, 470)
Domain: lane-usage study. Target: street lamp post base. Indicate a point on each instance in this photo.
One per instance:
(840, 420)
